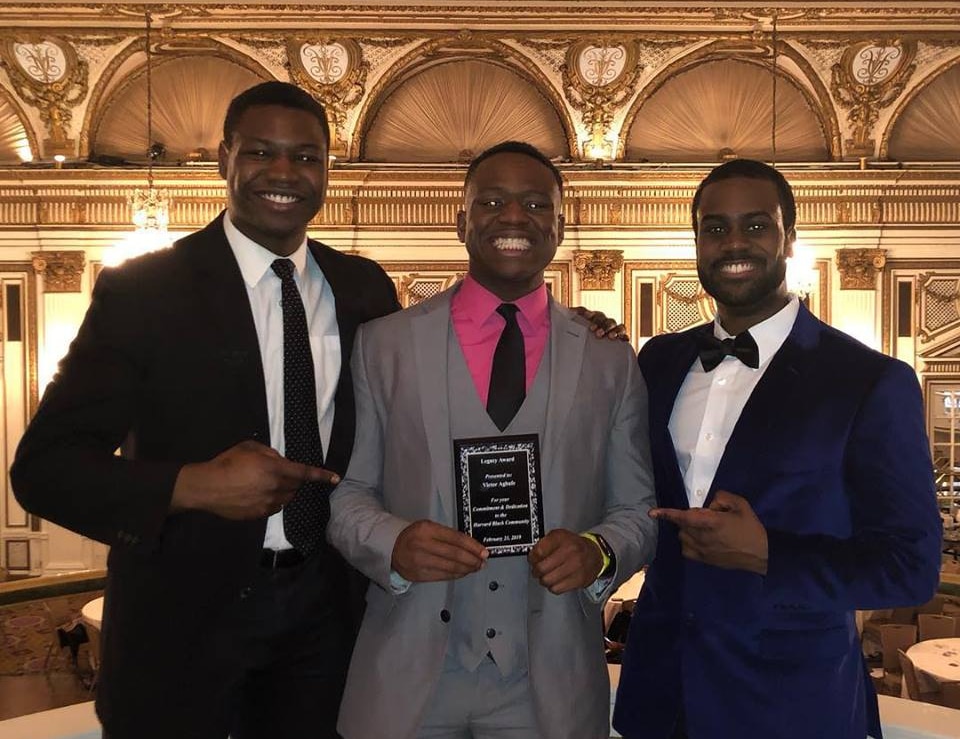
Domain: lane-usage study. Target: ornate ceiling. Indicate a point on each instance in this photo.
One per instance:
(633, 85)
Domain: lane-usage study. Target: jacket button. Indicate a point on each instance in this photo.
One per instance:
(494, 585)
(491, 633)
(445, 616)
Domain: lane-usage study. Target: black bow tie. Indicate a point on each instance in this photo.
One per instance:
(713, 350)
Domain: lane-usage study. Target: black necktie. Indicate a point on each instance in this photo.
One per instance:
(305, 517)
(713, 350)
(508, 377)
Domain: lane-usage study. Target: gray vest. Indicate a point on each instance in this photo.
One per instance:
(490, 606)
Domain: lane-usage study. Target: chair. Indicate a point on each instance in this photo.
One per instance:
(950, 694)
(894, 637)
(933, 626)
(913, 685)
(934, 605)
(872, 626)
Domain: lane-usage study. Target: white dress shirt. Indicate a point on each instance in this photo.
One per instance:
(263, 290)
(709, 404)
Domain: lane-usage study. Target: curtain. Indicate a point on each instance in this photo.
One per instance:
(13, 136)
(929, 127)
(725, 105)
(454, 110)
(190, 98)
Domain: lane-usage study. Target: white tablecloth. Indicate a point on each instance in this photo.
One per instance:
(92, 613)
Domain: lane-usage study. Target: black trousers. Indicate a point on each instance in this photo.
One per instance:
(274, 668)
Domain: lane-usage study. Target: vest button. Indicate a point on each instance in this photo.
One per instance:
(494, 585)
(491, 633)
(445, 616)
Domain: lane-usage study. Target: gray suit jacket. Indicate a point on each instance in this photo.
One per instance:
(596, 476)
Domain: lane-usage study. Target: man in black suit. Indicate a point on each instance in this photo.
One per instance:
(224, 612)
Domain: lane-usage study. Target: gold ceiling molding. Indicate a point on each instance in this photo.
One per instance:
(462, 45)
(870, 76)
(599, 75)
(48, 75)
(334, 70)
(381, 203)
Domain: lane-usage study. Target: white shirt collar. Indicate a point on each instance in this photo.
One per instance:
(255, 260)
(771, 333)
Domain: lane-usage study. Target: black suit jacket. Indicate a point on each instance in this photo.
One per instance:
(167, 363)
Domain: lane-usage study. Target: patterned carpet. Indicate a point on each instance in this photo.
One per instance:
(27, 631)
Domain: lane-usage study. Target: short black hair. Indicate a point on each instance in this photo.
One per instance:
(513, 147)
(753, 170)
(274, 93)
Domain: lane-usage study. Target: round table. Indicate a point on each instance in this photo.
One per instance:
(92, 613)
(938, 659)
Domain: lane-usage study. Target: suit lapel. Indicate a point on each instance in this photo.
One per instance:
(224, 301)
(567, 340)
(337, 455)
(661, 409)
(430, 336)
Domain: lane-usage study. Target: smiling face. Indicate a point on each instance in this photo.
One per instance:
(275, 166)
(511, 223)
(742, 248)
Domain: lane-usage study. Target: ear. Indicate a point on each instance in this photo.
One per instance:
(222, 155)
(788, 242)
(561, 223)
(462, 226)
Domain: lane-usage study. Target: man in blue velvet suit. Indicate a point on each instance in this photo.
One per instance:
(795, 486)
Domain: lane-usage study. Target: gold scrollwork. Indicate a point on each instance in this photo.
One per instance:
(334, 70)
(61, 270)
(867, 79)
(597, 268)
(599, 75)
(47, 74)
(858, 268)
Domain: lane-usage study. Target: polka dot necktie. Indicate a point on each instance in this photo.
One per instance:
(508, 377)
(305, 517)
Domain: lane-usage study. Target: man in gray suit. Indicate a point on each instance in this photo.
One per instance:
(458, 641)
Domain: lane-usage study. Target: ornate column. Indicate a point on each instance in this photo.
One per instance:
(856, 307)
(597, 270)
(859, 268)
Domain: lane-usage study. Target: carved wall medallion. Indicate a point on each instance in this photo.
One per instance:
(335, 72)
(859, 267)
(47, 74)
(868, 78)
(597, 268)
(598, 77)
(61, 270)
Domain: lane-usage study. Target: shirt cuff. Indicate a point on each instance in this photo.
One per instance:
(398, 583)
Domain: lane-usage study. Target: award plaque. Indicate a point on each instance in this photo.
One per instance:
(499, 499)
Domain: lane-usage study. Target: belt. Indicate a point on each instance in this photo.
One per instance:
(275, 559)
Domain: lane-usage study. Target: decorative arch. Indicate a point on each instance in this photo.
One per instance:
(464, 49)
(818, 100)
(7, 124)
(214, 93)
(926, 125)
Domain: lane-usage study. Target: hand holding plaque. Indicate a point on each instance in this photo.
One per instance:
(499, 497)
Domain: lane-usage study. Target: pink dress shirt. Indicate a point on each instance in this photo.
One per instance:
(473, 310)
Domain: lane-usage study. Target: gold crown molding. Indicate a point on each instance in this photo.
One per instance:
(61, 270)
(907, 99)
(597, 268)
(453, 47)
(746, 50)
(429, 204)
(576, 14)
(858, 268)
(53, 91)
(865, 99)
